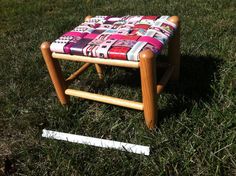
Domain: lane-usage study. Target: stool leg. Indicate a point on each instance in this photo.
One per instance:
(174, 50)
(99, 71)
(54, 70)
(148, 84)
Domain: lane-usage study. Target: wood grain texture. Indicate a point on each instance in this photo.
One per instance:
(164, 80)
(99, 71)
(87, 18)
(54, 70)
(112, 62)
(78, 72)
(148, 84)
(105, 99)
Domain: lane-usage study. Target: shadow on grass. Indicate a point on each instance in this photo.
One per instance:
(197, 74)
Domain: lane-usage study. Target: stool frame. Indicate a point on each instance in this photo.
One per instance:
(147, 65)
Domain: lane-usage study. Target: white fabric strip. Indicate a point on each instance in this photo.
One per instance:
(58, 45)
(139, 149)
(133, 54)
(102, 50)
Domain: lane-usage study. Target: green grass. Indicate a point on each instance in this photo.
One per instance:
(196, 135)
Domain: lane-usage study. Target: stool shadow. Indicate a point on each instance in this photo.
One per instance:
(196, 76)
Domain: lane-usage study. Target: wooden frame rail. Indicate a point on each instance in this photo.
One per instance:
(105, 99)
(164, 80)
(111, 62)
(78, 72)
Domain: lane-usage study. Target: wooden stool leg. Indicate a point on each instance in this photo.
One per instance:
(174, 49)
(99, 71)
(55, 73)
(148, 84)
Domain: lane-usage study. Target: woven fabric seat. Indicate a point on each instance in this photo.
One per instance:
(128, 41)
(112, 37)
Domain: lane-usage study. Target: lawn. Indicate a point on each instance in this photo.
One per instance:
(197, 131)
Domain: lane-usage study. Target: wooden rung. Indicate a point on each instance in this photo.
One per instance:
(165, 78)
(99, 71)
(105, 99)
(78, 72)
(112, 62)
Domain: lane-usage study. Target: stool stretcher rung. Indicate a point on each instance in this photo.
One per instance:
(112, 62)
(78, 72)
(161, 85)
(105, 99)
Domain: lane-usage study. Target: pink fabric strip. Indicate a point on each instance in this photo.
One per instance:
(91, 36)
(67, 48)
(75, 34)
(115, 36)
(152, 41)
(107, 17)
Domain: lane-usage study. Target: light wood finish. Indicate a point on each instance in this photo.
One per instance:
(105, 99)
(99, 71)
(54, 70)
(174, 49)
(165, 78)
(78, 72)
(112, 62)
(148, 83)
(87, 18)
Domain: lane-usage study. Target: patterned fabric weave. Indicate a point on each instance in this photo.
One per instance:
(116, 37)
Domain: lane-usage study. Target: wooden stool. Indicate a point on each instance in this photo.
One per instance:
(138, 29)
